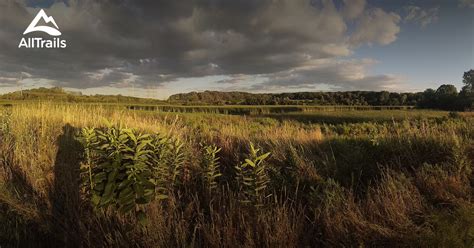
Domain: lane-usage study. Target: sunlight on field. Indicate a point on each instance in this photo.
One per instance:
(332, 177)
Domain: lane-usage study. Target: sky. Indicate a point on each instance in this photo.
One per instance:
(162, 47)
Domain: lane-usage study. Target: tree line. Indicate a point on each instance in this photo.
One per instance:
(383, 98)
(61, 95)
(445, 97)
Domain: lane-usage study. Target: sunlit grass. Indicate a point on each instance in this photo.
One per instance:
(340, 178)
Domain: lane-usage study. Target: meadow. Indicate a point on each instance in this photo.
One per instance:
(203, 178)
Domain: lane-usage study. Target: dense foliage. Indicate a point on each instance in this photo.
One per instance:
(59, 94)
(123, 168)
(445, 97)
(383, 98)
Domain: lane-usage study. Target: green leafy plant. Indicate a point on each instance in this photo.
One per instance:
(126, 169)
(168, 160)
(210, 166)
(253, 179)
(160, 148)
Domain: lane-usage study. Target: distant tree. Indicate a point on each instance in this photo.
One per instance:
(468, 80)
(384, 98)
(447, 90)
(428, 99)
(403, 99)
(466, 97)
(446, 97)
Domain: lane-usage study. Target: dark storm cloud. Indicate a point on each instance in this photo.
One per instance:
(120, 42)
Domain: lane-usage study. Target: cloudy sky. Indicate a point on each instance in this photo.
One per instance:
(157, 48)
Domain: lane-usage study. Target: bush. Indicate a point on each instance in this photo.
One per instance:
(252, 176)
(126, 169)
(210, 166)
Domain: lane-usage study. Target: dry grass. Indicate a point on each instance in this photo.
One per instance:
(400, 182)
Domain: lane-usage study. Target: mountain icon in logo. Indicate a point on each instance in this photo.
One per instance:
(47, 19)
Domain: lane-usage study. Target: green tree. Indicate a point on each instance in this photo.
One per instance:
(384, 98)
(466, 99)
(446, 97)
(428, 99)
(468, 80)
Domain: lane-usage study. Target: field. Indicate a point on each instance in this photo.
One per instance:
(261, 178)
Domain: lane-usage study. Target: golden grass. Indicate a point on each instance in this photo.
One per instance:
(347, 184)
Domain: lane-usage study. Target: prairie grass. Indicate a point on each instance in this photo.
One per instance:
(343, 178)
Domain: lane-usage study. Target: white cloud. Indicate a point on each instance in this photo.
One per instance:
(376, 26)
(353, 8)
(421, 16)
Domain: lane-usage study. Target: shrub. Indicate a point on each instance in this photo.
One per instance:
(167, 159)
(210, 166)
(252, 177)
(126, 169)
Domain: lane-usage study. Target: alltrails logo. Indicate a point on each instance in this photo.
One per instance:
(38, 42)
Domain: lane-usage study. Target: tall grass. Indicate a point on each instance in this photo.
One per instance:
(400, 182)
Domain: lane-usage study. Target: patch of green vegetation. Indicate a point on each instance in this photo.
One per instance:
(58, 94)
